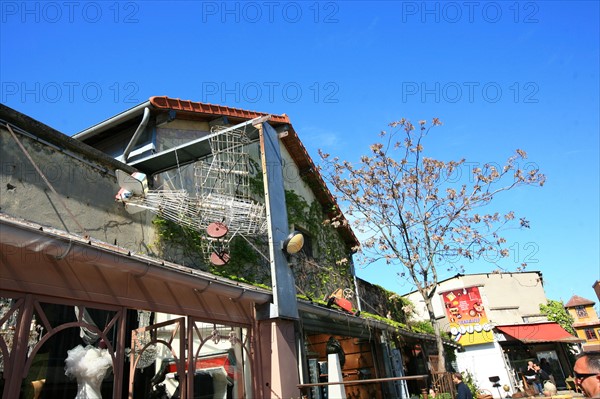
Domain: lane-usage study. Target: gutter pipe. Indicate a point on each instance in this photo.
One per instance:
(113, 121)
(339, 316)
(123, 158)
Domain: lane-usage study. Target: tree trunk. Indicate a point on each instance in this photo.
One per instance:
(441, 366)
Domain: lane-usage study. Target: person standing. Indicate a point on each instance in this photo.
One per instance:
(533, 378)
(587, 373)
(462, 390)
(547, 385)
(545, 365)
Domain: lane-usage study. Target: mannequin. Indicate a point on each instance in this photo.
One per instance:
(89, 365)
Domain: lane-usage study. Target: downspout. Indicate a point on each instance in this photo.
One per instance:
(123, 158)
(115, 120)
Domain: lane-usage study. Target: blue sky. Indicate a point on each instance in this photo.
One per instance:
(500, 75)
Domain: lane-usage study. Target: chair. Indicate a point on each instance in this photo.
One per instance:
(527, 387)
(571, 385)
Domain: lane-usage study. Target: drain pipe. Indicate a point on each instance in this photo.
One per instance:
(111, 122)
(136, 135)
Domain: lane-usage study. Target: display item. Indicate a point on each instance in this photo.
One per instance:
(89, 366)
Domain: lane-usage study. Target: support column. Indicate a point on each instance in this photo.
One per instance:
(277, 320)
(279, 365)
(334, 372)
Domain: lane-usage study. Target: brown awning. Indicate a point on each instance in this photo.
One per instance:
(538, 333)
(44, 261)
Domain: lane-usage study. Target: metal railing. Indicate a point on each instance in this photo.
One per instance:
(424, 377)
(442, 382)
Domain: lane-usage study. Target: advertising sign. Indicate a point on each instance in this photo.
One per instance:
(468, 322)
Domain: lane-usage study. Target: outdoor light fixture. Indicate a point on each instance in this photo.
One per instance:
(293, 243)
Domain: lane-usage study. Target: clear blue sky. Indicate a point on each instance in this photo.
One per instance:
(500, 75)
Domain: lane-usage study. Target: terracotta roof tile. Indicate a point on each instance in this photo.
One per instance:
(578, 301)
(210, 109)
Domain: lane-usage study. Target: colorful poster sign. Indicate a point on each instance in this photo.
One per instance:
(468, 322)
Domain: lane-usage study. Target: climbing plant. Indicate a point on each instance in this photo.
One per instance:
(471, 383)
(328, 268)
(178, 243)
(318, 275)
(555, 311)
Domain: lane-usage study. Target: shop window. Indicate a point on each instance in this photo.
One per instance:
(73, 348)
(219, 363)
(356, 358)
(70, 348)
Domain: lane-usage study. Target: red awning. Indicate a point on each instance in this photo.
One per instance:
(538, 332)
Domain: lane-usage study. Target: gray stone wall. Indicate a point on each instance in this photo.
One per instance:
(378, 301)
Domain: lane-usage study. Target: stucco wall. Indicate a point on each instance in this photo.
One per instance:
(316, 277)
(590, 321)
(484, 361)
(321, 275)
(509, 298)
(84, 182)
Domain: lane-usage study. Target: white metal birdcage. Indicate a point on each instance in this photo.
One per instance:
(222, 193)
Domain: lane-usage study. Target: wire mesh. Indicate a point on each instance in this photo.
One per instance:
(222, 193)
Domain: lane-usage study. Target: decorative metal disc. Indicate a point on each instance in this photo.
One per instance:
(219, 258)
(217, 230)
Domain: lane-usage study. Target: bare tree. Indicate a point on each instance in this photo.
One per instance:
(415, 214)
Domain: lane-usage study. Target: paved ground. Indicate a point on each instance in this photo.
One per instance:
(560, 395)
(570, 393)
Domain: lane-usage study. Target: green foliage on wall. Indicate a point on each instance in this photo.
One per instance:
(422, 326)
(245, 265)
(386, 303)
(330, 266)
(555, 311)
(173, 236)
(316, 276)
(390, 322)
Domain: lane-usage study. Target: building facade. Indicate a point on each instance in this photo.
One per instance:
(99, 295)
(586, 322)
(496, 318)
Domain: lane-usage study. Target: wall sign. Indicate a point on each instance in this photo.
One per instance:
(468, 322)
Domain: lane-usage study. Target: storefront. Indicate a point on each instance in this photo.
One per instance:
(541, 343)
(78, 315)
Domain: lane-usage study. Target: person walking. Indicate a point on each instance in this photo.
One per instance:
(462, 390)
(587, 373)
